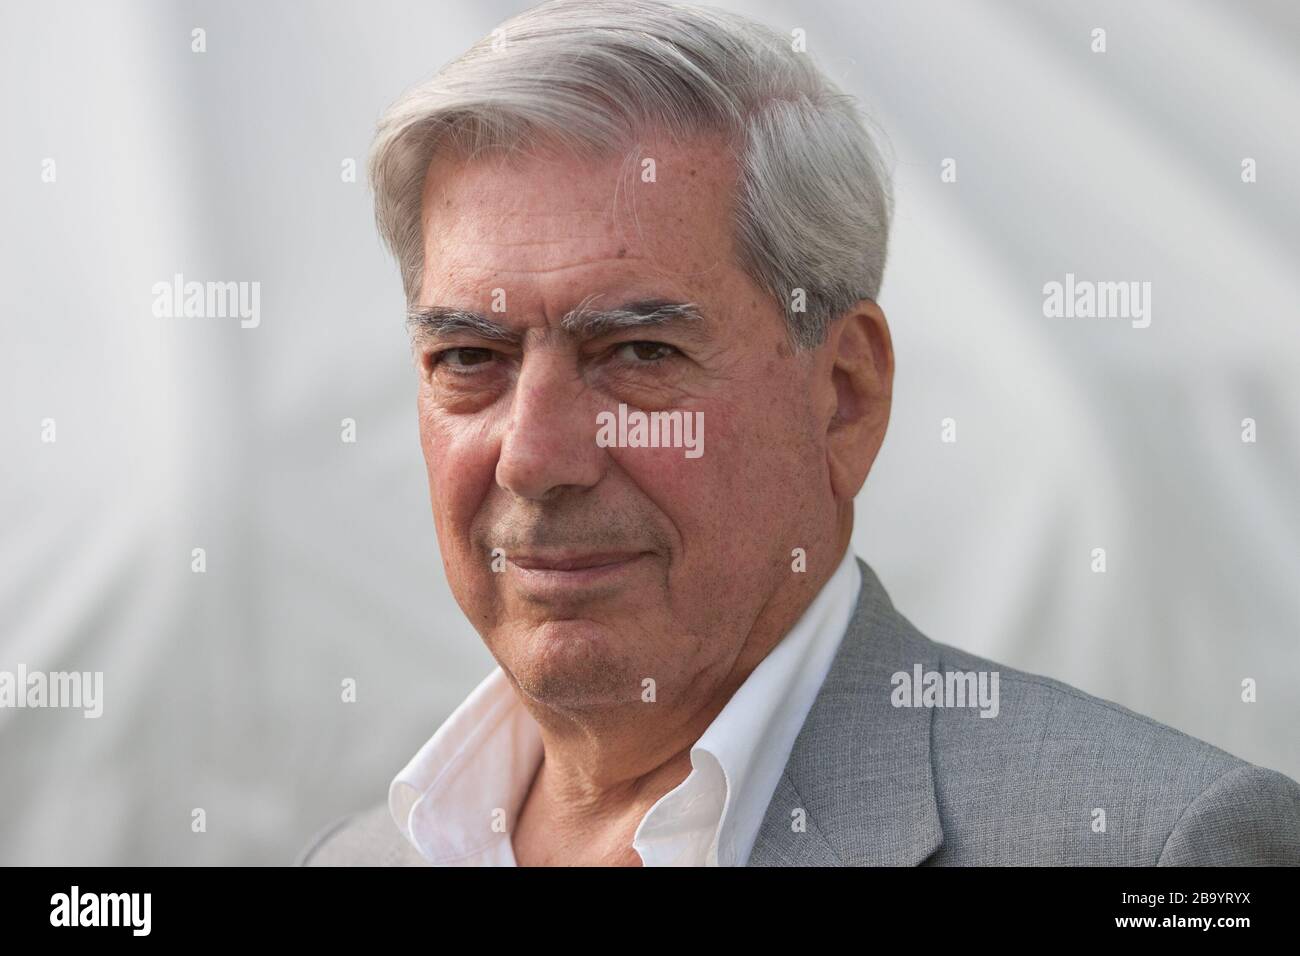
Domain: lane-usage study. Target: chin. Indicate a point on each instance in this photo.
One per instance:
(574, 664)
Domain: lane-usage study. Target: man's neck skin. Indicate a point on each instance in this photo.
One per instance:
(599, 779)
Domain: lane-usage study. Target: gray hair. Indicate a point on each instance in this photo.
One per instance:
(813, 198)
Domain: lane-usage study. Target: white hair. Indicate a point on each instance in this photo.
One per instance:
(813, 198)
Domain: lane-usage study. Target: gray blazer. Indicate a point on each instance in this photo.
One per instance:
(869, 783)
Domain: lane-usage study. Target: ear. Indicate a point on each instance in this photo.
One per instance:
(861, 357)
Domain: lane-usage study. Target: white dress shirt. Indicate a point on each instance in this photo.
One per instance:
(459, 796)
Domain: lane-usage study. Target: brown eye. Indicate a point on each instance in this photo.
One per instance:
(460, 358)
(645, 353)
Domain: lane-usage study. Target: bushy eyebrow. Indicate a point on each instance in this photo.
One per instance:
(581, 322)
(440, 321)
(586, 322)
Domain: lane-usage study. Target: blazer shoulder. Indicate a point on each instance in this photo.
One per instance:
(1249, 816)
(365, 838)
(1071, 723)
(1054, 758)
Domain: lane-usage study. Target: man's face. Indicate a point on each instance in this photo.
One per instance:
(620, 563)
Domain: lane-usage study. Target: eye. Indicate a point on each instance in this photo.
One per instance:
(645, 353)
(460, 358)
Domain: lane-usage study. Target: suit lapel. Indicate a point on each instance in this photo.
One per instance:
(858, 788)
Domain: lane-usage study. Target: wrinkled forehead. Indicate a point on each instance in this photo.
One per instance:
(656, 208)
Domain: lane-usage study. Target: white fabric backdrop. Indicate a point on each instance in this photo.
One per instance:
(222, 689)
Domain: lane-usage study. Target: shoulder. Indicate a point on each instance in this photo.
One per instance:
(1049, 718)
(1247, 816)
(365, 838)
(1095, 782)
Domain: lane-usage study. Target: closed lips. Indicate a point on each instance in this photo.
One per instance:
(533, 562)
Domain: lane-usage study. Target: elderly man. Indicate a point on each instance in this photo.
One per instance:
(641, 247)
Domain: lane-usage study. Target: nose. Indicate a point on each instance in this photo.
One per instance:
(550, 438)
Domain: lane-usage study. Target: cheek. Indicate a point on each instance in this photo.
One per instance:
(461, 465)
(703, 498)
(736, 502)
(461, 461)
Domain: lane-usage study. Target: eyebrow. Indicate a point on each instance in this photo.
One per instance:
(582, 321)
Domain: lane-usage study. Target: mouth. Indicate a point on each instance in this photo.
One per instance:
(563, 574)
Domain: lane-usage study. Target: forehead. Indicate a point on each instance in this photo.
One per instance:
(661, 211)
